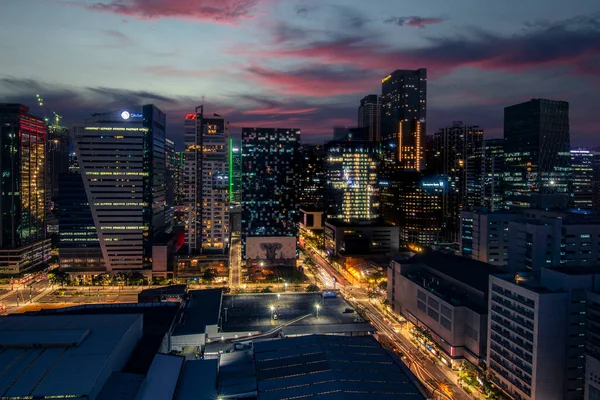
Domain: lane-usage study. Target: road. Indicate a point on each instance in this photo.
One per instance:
(235, 261)
(438, 382)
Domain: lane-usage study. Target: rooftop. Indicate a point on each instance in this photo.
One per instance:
(330, 367)
(361, 224)
(471, 272)
(199, 380)
(203, 308)
(63, 355)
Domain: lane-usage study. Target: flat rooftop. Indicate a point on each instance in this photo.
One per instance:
(201, 310)
(471, 272)
(252, 312)
(330, 367)
(366, 224)
(42, 361)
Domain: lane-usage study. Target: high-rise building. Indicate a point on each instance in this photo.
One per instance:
(311, 193)
(583, 163)
(458, 151)
(404, 116)
(170, 172)
(270, 163)
(537, 149)
(57, 163)
(492, 193)
(78, 243)
(537, 332)
(369, 117)
(235, 178)
(180, 213)
(351, 181)
(484, 235)
(413, 201)
(207, 182)
(23, 242)
(121, 156)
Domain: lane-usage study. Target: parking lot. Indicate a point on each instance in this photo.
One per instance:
(254, 312)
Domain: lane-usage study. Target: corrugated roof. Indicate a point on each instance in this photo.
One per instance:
(161, 380)
(199, 380)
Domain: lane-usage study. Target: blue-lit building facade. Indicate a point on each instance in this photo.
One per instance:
(271, 179)
(121, 157)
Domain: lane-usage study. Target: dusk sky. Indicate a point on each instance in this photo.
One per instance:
(301, 63)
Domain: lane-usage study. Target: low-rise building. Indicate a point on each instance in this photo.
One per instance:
(361, 238)
(446, 297)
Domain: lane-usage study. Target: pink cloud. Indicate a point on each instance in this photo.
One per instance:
(280, 111)
(219, 11)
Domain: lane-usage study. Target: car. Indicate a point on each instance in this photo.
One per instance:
(348, 311)
(359, 320)
(275, 316)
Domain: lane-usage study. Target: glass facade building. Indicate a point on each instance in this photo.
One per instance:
(537, 145)
(351, 181)
(23, 208)
(403, 117)
(270, 176)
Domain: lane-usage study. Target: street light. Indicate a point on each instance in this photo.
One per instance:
(272, 310)
(285, 285)
(318, 307)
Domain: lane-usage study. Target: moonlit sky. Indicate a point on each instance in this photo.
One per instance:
(301, 63)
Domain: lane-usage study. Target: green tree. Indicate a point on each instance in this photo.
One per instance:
(267, 290)
(382, 285)
(58, 278)
(136, 278)
(313, 288)
(209, 275)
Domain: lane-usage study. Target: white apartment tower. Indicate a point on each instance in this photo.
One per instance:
(206, 183)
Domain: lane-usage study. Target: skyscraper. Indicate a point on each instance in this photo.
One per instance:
(23, 242)
(369, 117)
(311, 193)
(458, 151)
(122, 161)
(492, 195)
(583, 163)
(403, 117)
(235, 166)
(270, 161)
(207, 182)
(170, 183)
(351, 180)
(180, 214)
(537, 150)
(57, 163)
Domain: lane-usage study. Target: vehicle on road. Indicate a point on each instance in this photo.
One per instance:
(348, 311)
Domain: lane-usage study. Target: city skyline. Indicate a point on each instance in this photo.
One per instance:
(280, 67)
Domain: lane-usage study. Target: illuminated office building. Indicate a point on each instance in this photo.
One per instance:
(351, 181)
(57, 163)
(180, 213)
(403, 117)
(369, 117)
(170, 183)
(492, 194)
(537, 149)
(121, 157)
(207, 182)
(414, 202)
(235, 178)
(458, 151)
(312, 189)
(270, 164)
(583, 165)
(23, 242)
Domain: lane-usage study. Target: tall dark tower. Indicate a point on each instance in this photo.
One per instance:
(403, 117)
(369, 117)
(537, 145)
(23, 242)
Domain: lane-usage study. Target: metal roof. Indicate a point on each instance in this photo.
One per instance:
(40, 361)
(199, 380)
(203, 308)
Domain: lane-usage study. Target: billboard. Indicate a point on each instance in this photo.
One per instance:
(271, 251)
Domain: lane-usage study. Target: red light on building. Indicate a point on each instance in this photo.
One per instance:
(190, 116)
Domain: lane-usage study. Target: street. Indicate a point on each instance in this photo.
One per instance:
(439, 381)
(235, 261)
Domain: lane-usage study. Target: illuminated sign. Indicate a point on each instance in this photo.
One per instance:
(212, 129)
(190, 116)
(433, 184)
(126, 115)
(387, 78)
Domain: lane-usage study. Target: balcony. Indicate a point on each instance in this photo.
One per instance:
(516, 340)
(515, 350)
(515, 318)
(517, 297)
(514, 361)
(508, 304)
(519, 331)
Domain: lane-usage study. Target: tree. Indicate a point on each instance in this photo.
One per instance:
(312, 288)
(136, 278)
(267, 290)
(209, 275)
(58, 278)
(382, 285)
